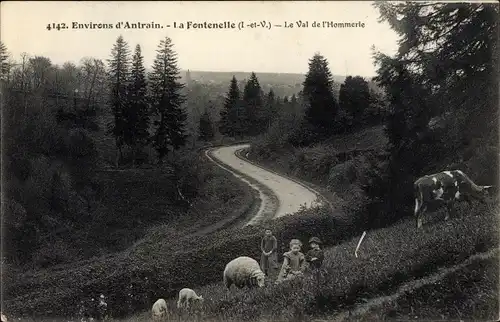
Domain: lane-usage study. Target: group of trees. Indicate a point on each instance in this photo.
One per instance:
(54, 138)
(50, 125)
(136, 99)
(443, 91)
(249, 113)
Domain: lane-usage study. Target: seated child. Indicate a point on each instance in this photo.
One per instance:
(293, 262)
(315, 256)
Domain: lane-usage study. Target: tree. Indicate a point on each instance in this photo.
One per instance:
(271, 108)
(354, 97)
(206, 130)
(137, 112)
(119, 70)
(253, 103)
(167, 101)
(317, 91)
(93, 80)
(4, 64)
(445, 67)
(232, 114)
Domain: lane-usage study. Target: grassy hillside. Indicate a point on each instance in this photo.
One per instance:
(387, 258)
(136, 218)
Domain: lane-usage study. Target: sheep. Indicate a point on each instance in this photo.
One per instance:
(243, 271)
(4, 317)
(159, 309)
(187, 295)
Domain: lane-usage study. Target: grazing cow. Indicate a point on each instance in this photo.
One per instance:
(159, 310)
(445, 188)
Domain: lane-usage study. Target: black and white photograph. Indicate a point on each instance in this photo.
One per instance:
(260, 161)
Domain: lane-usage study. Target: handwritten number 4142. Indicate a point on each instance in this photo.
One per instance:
(57, 26)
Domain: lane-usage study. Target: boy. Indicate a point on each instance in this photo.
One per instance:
(269, 257)
(315, 256)
(293, 262)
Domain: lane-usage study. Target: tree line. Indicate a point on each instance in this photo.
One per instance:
(252, 112)
(147, 109)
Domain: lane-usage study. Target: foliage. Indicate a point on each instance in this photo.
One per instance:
(4, 65)
(233, 113)
(167, 100)
(206, 127)
(354, 97)
(137, 110)
(430, 79)
(253, 102)
(119, 73)
(322, 105)
(50, 157)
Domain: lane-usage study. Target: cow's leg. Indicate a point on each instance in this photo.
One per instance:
(450, 210)
(420, 212)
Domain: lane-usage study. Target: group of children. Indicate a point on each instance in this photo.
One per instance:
(295, 263)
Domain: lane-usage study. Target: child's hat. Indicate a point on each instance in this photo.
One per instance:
(315, 240)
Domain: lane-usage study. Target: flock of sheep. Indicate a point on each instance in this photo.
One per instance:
(242, 271)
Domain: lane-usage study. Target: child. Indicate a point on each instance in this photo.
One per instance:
(315, 256)
(293, 262)
(269, 258)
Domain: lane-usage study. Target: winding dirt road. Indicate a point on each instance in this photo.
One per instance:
(289, 194)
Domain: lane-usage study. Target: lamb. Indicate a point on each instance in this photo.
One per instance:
(159, 309)
(243, 271)
(187, 295)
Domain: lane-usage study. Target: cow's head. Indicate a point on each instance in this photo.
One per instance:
(488, 190)
(486, 193)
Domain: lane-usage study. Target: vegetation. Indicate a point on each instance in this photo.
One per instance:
(363, 144)
(167, 100)
(119, 69)
(318, 95)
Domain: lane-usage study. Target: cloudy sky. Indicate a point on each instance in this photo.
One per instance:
(285, 50)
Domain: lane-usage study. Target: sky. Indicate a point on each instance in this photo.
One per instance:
(278, 49)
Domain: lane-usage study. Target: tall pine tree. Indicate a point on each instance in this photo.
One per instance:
(167, 101)
(354, 97)
(119, 69)
(4, 65)
(137, 112)
(206, 130)
(318, 93)
(232, 114)
(253, 102)
(271, 108)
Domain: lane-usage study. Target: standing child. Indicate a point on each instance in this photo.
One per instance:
(293, 262)
(269, 257)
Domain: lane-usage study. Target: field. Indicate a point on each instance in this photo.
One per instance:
(388, 258)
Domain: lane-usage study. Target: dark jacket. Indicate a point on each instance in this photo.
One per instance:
(315, 253)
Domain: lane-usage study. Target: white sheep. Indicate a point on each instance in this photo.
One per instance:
(4, 318)
(187, 295)
(243, 271)
(159, 309)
